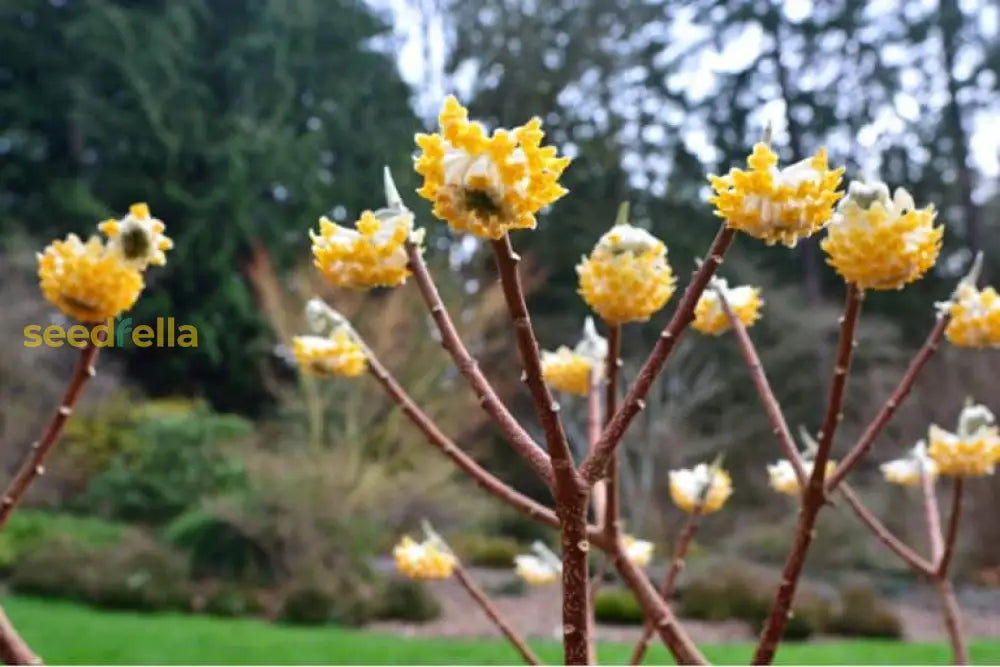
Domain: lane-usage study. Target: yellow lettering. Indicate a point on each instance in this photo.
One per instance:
(188, 336)
(32, 335)
(54, 336)
(78, 336)
(142, 335)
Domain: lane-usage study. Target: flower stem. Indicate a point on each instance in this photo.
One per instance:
(949, 604)
(612, 515)
(34, 463)
(917, 563)
(515, 434)
(814, 496)
(600, 492)
(13, 649)
(932, 517)
(596, 462)
(901, 391)
(952, 535)
(572, 496)
(477, 594)
(669, 581)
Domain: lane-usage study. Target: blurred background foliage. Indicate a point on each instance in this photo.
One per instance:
(217, 478)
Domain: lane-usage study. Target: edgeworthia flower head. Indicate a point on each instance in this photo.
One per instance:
(975, 313)
(541, 567)
(138, 237)
(627, 277)
(877, 242)
(911, 469)
(973, 450)
(487, 184)
(709, 316)
(703, 488)
(423, 560)
(574, 371)
(639, 552)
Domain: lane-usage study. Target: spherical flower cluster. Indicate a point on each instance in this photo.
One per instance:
(338, 354)
(781, 475)
(371, 255)
(639, 552)
(711, 319)
(487, 185)
(139, 237)
(534, 570)
(880, 243)
(703, 488)
(424, 560)
(573, 371)
(975, 317)
(627, 277)
(973, 451)
(777, 205)
(911, 469)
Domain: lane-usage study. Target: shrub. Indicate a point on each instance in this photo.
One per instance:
(862, 613)
(617, 606)
(136, 574)
(407, 600)
(486, 550)
(342, 599)
(231, 600)
(220, 548)
(28, 528)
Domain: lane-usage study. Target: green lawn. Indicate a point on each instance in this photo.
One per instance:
(70, 634)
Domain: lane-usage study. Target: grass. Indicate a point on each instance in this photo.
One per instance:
(65, 633)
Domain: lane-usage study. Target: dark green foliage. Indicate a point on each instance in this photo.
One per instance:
(135, 574)
(863, 613)
(233, 600)
(617, 606)
(181, 461)
(27, 529)
(340, 599)
(407, 600)
(219, 548)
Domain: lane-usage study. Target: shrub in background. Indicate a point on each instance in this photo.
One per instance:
(28, 528)
(486, 550)
(407, 600)
(863, 613)
(617, 606)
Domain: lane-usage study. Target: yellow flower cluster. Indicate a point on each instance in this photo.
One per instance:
(777, 206)
(880, 243)
(912, 468)
(371, 255)
(487, 185)
(781, 475)
(627, 277)
(973, 451)
(710, 318)
(422, 560)
(572, 371)
(975, 317)
(704, 487)
(639, 552)
(97, 280)
(534, 570)
(339, 354)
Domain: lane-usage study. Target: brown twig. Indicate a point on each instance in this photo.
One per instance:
(901, 391)
(596, 463)
(600, 492)
(932, 516)
(814, 496)
(515, 434)
(656, 609)
(612, 516)
(952, 535)
(767, 398)
(477, 594)
(952, 621)
(482, 477)
(571, 494)
(13, 649)
(669, 580)
(34, 463)
(916, 562)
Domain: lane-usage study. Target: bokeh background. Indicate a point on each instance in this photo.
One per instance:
(216, 479)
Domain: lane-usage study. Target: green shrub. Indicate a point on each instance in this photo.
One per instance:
(136, 574)
(862, 613)
(520, 528)
(231, 600)
(617, 606)
(407, 600)
(219, 548)
(28, 528)
(486, 550)
(342, 599)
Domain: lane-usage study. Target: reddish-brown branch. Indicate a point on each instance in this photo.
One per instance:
(952, 621)
(815, 495)
(916, 562)
(932, 517)
(599, 493)
(656, 610)
(612, 516)
(515, 434)
(669, 581)
(13, 649)
(900, 393)
(951, 537)
(767, 398)
(477, 594)
(572, 496)
(34, 463)
(482, 477)
(596, 463)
